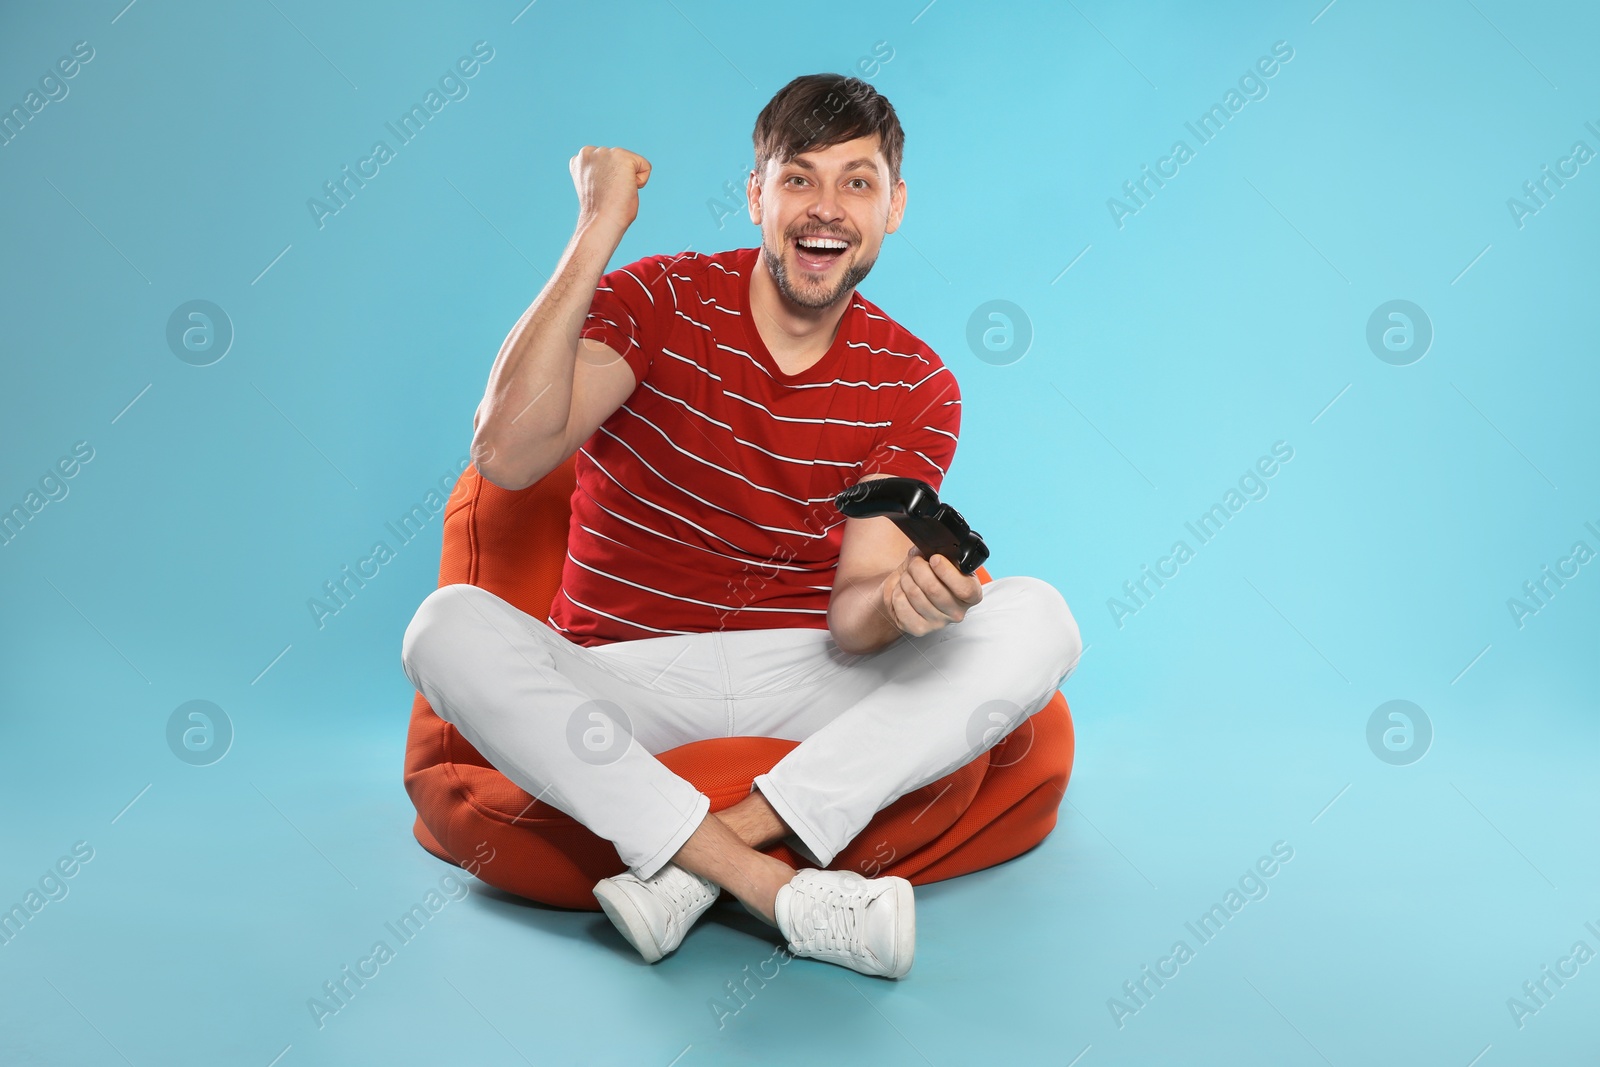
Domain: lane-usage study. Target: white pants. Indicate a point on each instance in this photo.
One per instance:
(576, 727)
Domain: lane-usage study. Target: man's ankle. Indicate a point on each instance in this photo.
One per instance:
(764, 900)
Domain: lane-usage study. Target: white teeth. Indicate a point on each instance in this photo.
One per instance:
(822, 242)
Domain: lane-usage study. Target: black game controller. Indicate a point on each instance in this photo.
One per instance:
(913, 505)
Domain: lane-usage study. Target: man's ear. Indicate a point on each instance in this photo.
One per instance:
(897, 206)
(752, 196)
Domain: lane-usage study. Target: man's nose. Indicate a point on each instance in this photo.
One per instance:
(826, 205)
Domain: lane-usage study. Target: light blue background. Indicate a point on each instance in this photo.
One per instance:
(1228, 314)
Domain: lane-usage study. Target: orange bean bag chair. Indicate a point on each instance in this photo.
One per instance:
(513, 543)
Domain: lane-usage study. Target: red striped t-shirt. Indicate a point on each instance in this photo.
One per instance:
(705, 502)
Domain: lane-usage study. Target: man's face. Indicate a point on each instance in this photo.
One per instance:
(807, 206)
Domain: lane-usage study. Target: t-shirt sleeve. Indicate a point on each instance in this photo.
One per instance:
(630, 310)
(920, 442)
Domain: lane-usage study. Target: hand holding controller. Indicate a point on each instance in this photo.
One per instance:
(913, 505)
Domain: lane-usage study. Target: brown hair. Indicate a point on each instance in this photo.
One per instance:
(821, 110)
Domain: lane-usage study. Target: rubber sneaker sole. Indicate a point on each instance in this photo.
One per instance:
(905, 942)
(626, 917)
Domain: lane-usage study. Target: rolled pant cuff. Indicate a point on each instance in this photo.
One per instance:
(658, 859)
(815, 848)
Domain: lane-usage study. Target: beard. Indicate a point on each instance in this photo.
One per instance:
(810, 294)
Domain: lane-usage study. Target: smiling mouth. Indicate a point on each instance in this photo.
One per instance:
(819, 253)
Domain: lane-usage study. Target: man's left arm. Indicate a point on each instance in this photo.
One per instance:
(884, 587)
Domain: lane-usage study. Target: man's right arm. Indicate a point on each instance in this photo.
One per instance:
(549, 391)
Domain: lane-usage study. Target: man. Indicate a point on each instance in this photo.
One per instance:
(716, 404)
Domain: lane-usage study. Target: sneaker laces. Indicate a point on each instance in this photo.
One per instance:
(834, 919)
(684, 893)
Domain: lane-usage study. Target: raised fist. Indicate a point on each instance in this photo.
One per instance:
(608, 181)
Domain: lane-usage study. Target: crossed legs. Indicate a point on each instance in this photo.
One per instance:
(577, 727)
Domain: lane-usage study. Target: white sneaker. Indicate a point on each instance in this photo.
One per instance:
(868, 925)
(654, 913)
